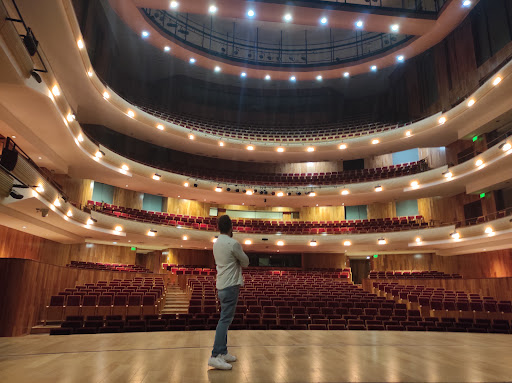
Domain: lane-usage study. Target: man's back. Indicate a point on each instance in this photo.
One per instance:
(229, 258)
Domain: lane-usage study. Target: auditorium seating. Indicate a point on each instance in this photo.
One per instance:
(292, 300)
(440, 302)
(108, 267)
(140, 296)
(351, 127)
(358, 226)
(301, 179)
(412, 275)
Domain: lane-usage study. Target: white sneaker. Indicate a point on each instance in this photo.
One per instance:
(228, 358)
(219, 363)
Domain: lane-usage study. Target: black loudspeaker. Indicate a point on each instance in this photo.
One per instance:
(9, 159)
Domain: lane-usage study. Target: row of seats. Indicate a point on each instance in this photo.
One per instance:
(108, 267)
(266, 227)
(425, 274)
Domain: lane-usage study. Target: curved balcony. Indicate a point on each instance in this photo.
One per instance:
(353, 46)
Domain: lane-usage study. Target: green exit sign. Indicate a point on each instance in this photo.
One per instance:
(475, 138)
(375, 255)
(133, 249)
(482, 195)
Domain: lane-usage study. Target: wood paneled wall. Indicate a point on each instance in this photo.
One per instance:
(128, 198)
(499, 288)
(188, 207)
(152, 261)
(324, 260)
(17, 244)
(77, 190)
(322, 213)
(27, 286)
(492, 264)
(194, 257)
(381, 210)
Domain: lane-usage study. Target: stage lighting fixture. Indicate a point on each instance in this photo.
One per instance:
(359, 24)
(36, 76)
(228, 189)
(237, 190)
(273, 193)
(16, 195)
(288, 194)
(195, 185)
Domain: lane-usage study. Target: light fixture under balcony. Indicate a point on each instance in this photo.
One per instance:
(505, 146)
(125, 167)
(342, 146)
(247, 242)
(455, 235)
(345, 192)
(442, 120)
(280, 243)
(382, 241)
(378, 188)
(118, 228)
(151, 233)
(496, 81)
(157, 177)
(347, 243)
(313, 243)
(218, 189)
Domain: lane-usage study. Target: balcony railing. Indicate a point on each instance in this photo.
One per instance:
(205, 38)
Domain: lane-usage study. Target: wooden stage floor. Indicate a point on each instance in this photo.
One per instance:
(264, 356)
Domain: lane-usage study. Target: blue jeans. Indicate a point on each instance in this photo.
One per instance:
(228, 298)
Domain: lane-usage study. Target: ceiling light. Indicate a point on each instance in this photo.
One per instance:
(251, 13)
(400, 58)
(174, 4)
(214, 239)
(345, 192)
(40, 188)
(342, 146)
(248, 242)
(221, 143)
(287, 17)
(280, 194)
(455, 235)
(267, 77)
(471, 102)
(319, 78)
(167, 49)
(310, 149)
(70, 117)
(69, 213)
(280, 243)
(442, 120)
(250, 147)
(80, 137)
(217, 69)
(192, 60)
(145, 34)
(375, 142)
(185, 238)
(323, 20)
(293, 79)
(359, 24)
(248, 192)
(312, 243)
(125, 167)
(160, 127)
(157, 177)
(373, 68)
(191, 137)
(395, 27)
(382, 241)
(56, 202)
(448, 174)
(106, 96)
(186, 184)
(346, 75)
(280, 149)
(466, 3)
(213, 9)
(131, 114)
(218, 189)
(80, 44)
(90, 221)
(312, 194)
(488, 230)
(118, 228)
(418, 240)
(55, 90)
(99, 154)
(347, 243)
(496, 81)
(243, 74)
(479, 163)
(378, 188)
(90, 73)
(415, 184)
(506, 146)
(151, 233)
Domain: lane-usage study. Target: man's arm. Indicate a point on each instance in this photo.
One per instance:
(240, 255)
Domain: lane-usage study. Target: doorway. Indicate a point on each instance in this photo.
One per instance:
(360, 269)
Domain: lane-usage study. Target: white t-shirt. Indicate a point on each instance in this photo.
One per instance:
(229, 258)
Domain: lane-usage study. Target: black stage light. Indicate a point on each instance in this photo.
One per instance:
(265, 192)
(195, 185)
(261, 192)
(244, 191)
(36, 76)
(289, 194)
(273, 193)
(16, 195)
(299, 193)
(228, 189)
(237, 190)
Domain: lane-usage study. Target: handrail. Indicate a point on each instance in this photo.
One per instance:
(204, 38)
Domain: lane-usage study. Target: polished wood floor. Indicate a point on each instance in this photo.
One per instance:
(264, 356)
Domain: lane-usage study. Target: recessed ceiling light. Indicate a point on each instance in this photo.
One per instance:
(267, 77)
(221, 143)
(342, 146)
(347, 243)
(191, 137)
(55, 90)
(192, 60)
(466, 3)
(69, 213)
(408, 133)
(90, 221)
(506, 147)
(378, 188)
(280, 194)
(471, 102)
(56, 202)
(40, 188)
(287, 17)
(217, 69)
(415, 184)
(442, 120)
(174, 4)
(70, 117)
(395, 27)
(382, 241)
(313, 243)
(488, 230)
(375, 141)
(251, 13)
(400, 58)
(151, 233)
(319, 78)
(80, 137)
(346, 75)
(248, 242)
(106, 96)
(312, 194)
(310, 149)
(359, 24)
(479, 163)
(496, 81)
(373, 68)
(13, 136)
(218, 189)
(99, 154)
(280, 149)
(167, 49)
(90, 73)
(448, 174)
(455, 235)
(185, 238)
(280, 243)
(125, 167)
(418, 239)
(145, 34)
(118, 228)
(345, 192)
(249, 192)
(160, 127)
(293, 79)
(131, 114)
(80, 44)
(250, 147)
(213, 9)
(323, 20)
(157, 177)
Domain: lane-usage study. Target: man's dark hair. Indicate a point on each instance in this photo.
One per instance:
(225, 224)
